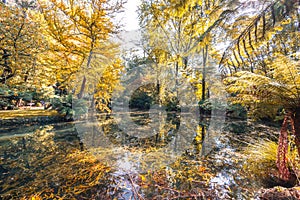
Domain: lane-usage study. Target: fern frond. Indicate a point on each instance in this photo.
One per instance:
(259, 30)
(261, 92)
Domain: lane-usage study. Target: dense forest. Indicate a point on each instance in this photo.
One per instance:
(201, 68)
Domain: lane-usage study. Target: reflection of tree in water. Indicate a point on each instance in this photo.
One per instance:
(51, 167)
(104, 136)
(166, 131)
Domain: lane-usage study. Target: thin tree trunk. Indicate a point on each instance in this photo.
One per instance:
(185, 63)
(176, 78)
(82, 88)
(204, 73)
(80, 95)
(203, 97)
(158, 92)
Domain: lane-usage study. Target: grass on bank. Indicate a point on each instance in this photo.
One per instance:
(261, 158)
(11, 114)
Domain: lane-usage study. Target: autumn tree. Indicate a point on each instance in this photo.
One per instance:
(20, 44)
(79, 42)
(22, 72)
(179, 30)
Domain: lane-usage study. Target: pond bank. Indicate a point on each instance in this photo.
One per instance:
(17, 117)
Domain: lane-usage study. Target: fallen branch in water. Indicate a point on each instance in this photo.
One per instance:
(135, 192)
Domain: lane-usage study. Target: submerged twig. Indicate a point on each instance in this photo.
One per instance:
(135, 192)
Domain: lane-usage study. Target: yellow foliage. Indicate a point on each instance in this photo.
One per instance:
(21, 44)
(75, 172)
(109, 81)
(75, 31)
(175, 27)
(279, 88)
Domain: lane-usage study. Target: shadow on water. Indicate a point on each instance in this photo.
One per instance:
(180, 159)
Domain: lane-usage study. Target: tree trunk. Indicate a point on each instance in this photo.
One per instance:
(7, 70)
(185, 63)
(80, 95)
(204, 73)
(292, 118)
(158, 92)
(203, 97)
(295, 122)
(176, 78)
(88, 66)
(282, 150)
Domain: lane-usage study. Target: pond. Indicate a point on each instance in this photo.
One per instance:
(153, 155)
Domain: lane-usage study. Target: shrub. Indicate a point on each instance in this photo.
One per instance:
(69, 107)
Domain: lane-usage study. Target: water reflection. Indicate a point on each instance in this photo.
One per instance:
(169, 135)
(53, 162)
(49, 164)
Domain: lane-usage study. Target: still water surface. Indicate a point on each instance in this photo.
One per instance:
(98, 159)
